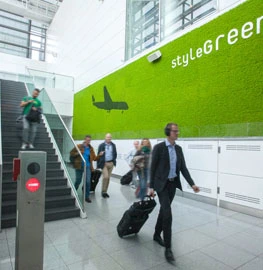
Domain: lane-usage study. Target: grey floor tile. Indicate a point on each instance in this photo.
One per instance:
(5, 264)
(255, 231)
(191, 220)
(51, 255)
(10, 233)
(165, 266)
(102, 263)
(79, 251)
(63, 236)
(193, 238)
(218, 229)
(94, 229)
(179, 227)
(181, 248)
(255, 264)
(246, 242)
(2, 235)
(112, 242)
(246, 218)
(55, 264)
(137, 257)
(4, 250)
(59, 225)
(199, 261)
(231, 256)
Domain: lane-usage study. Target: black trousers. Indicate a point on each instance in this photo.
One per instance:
(164, 220)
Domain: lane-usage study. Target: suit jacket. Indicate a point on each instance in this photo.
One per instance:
(101, 161)
(160, 167)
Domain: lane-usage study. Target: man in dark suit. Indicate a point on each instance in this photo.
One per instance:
(167, 163)
(107, 162)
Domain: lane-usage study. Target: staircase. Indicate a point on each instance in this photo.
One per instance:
(60, 204)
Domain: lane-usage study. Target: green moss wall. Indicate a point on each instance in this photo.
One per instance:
(218, 94)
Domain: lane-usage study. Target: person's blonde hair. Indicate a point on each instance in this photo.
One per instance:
(148, 143)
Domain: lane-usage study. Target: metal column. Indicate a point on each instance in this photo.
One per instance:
(30, 211)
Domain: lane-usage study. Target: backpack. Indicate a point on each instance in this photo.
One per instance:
(72, 160)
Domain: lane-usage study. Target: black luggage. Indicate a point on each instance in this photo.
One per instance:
(126, 178)
(95, 176)
(134, 218)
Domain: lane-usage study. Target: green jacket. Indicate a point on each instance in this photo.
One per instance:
(37, 103)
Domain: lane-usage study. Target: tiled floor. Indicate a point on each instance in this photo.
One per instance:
(204, 238)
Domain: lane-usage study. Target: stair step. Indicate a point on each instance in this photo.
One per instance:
(14, 151)
(53, 181)
(17, 140)
(10, 157)
(63, 190)
(9, 220)
(7, 166)
(9, 207)
(8, 174)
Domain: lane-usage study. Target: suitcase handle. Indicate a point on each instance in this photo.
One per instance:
(148, 197)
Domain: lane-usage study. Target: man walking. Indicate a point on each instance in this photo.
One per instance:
(106, 162)
(167, 163)
(89, 155)
(29, 127)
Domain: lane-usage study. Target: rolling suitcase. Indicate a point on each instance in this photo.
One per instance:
(126, 178)
(134, 218)
(95, 176)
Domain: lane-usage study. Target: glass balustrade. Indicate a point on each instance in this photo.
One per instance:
(63, 141)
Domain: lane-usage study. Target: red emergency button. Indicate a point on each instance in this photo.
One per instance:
(32, 184)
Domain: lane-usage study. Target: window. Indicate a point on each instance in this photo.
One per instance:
(142, 29)
(22, 37)
(150, 21)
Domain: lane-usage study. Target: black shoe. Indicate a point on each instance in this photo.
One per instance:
(104, 195)
(107, 195)
(169, 255)
(158, 239)
(88, 200)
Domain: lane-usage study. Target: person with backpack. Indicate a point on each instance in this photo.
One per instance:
(30, 125)
(89, 155)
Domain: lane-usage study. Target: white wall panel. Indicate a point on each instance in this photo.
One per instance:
(206, 181)
(241, 173)
(246, 191)
(201, 155)
(201, 160)
(241, 158)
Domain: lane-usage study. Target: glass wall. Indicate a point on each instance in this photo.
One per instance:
(151, 21)
(22, 37)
